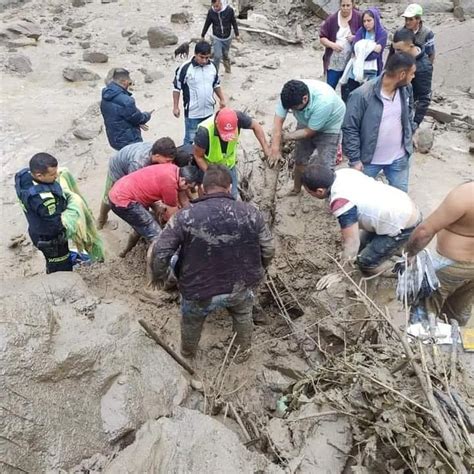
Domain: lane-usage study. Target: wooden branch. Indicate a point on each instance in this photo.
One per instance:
(270, 33)
(165, 346)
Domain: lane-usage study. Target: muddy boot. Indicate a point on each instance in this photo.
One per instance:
(227, 67)
(297, 174)
(191, 328)
(243, 341)
(103, 212)
(187, 350)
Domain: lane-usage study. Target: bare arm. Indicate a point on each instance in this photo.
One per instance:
(276, 139)
(350, 242)
(220, 95)
(450, 211)
(176, 95)
(330, 44)
(260, 135)
(299, 134)
(199, 154)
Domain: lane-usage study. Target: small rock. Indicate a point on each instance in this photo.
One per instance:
(159, 36)
(85, 44)
(181, 17)
(148, 95)
(86, 133)
(134, 39)
(78, 3)
(74, 23)
(471, 136)
(197, 385)
(471, 149)
(50, 41)
(458, 13)
(126, 32)
(78, 74)
(151, 76)
(95, 57)
(272, 64)
(19, 64)
(424, 140)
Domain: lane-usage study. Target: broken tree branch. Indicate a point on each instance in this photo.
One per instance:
(165, 346)
(270, 33)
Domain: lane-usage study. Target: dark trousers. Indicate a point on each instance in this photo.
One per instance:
(56, 252)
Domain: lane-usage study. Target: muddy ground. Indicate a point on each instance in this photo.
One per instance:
(39, 108)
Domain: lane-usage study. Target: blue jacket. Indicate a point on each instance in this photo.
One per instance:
(121, 117)
(360, 128)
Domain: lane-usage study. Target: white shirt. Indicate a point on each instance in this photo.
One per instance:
(381, 208)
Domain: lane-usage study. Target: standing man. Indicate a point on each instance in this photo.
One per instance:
(224, 246)
(123, 121)
(43, 202)
(453, 224)
(404, 42)
(132, 158)
(386, 215)
(378, 127)
(222, 18)
(319, 113)
(199, 81)
(423, 35)
(132, 195)
(217, 139)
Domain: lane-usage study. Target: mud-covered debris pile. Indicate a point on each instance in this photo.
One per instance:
(375, 386)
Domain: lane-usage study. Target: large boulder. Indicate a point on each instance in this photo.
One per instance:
(181, 17)
(429, 6)
(89, 125)
(83, 375)
(19, 64)
(79, 74)
(159, 36)
(95, 57)
(467, 7)
(20, 33)
(190, 442)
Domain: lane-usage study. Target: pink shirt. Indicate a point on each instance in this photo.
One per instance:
(390, 139)
(147, 185)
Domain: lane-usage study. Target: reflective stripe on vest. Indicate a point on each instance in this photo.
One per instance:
(215, 155)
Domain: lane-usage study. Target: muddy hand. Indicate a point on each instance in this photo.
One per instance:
(328, 280)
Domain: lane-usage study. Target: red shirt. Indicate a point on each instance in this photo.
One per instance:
(147, 185)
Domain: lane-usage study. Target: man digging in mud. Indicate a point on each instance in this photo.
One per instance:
(132, 158)
(385, 215)
(453, 224)
(319, 113)
(224, 246)
(217, 140)
(160, 187)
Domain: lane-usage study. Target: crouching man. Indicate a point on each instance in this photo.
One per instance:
(224, 246)
(386, 215)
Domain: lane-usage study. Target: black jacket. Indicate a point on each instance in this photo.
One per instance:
(223, 245)
(121, 117)
(222, 23)
(422, 86)
(42, 204)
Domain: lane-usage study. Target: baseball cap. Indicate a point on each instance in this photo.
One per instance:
(226, 123)
(413, 10)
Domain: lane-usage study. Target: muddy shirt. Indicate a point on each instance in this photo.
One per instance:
(223, 245)
(129, 159)
(202, 136)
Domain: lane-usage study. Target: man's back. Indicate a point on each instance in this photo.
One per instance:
(221, 242)
(456, 239)
(129, 159)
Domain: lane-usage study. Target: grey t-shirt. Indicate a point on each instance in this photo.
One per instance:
(129, 159)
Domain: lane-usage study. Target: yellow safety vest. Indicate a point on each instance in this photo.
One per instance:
(215, 155)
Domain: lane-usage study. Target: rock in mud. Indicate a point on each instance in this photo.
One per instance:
(126, 32)
(135, 38)
(151, 76)
(181, 17)
(78, 3)
(79, 74)
(89, 125)
(159, 36)
(26, 28)
(83, 373)
(95, 57)
(424, 140)
(19, 64)
(187, 442)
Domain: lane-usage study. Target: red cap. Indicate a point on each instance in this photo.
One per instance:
(226, 123)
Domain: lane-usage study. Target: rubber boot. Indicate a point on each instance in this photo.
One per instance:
(103, 213)
(297, 175)
(227, 67)
(191, 329)
(243, 341)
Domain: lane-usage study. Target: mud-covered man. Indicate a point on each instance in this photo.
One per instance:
(224, 246)
(43, 202)
(453, 224)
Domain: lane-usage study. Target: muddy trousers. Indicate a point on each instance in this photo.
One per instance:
(454, 297)
(194, 314)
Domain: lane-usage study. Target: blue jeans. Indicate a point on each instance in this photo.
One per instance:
(139, 218)
(235, 182)
(379, 248)
(190, 128)
(333, 77)
(239, 305)
(221, 50)
(396, 173)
